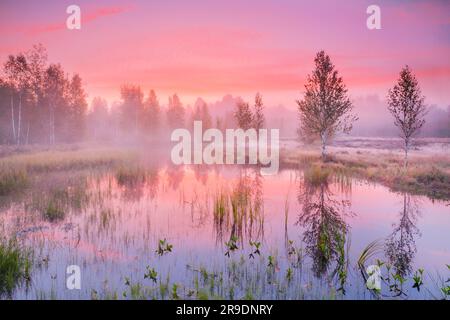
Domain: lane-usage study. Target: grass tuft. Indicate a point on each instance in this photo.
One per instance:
(15, 266)
(133, 176)
(12, 181)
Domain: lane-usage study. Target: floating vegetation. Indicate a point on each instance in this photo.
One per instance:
(151, 274)
(418, 279)
(163, 247)
(271, 262)
(393, 282)
(255, 249)
(175, 295)
(289, 273)
(231, 245)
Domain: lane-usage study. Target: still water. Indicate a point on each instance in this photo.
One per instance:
(234, 234)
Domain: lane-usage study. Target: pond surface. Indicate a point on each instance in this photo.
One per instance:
(306, 237)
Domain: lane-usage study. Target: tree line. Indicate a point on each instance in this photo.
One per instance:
(137, 116)
(41, 103)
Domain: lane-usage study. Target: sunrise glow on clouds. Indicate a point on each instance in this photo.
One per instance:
(210, 48)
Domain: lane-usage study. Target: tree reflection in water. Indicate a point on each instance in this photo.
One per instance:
(400, 245)
(175, 175)
(322, 217)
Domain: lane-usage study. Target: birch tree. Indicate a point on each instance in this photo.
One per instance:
(406, 104)
(17, 73)
(326, 108)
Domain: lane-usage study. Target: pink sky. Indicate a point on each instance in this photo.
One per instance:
(210, 48)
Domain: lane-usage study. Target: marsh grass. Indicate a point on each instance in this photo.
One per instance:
(221, 208)
(430, 181)
(56, 160)
(56, 203)
(106, 216)
(428, 176)
(316, 174)
(131, 176)
(241, 278)
(12, 180)
(15, 265)
(32, 169)
(238, 211)
(54, 211)
(368, 253)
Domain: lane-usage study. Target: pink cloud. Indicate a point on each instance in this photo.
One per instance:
(86, 17)
(211, 48)
(421, 13)
(104, 12)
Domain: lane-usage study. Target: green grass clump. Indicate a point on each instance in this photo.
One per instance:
(55, 204)
(221, 209)
(316, 174)
(54, 211)
(238, 210)
(15, 266)
(12, 180)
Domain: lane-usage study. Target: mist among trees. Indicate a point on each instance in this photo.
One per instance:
(41, 102)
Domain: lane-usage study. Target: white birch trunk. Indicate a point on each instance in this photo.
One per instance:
(20, 119)
(405, 162)
(12, 118)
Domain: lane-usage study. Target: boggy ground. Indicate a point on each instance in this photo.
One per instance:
(381, 161)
